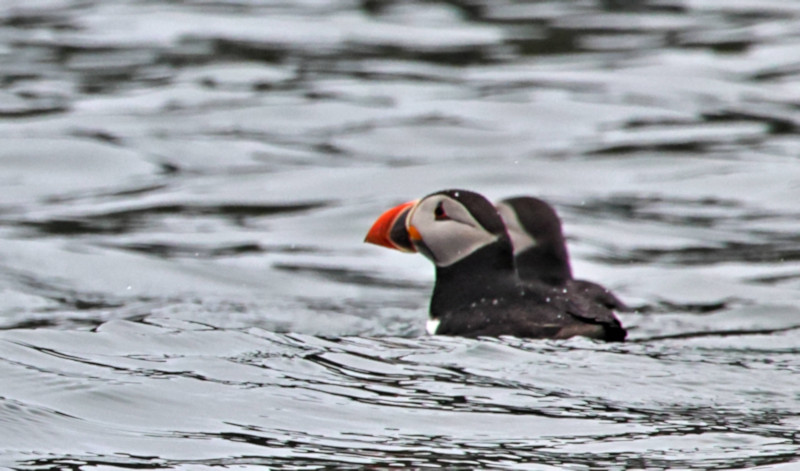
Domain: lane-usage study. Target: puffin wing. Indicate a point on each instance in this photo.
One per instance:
(597, 293)
(590, 311)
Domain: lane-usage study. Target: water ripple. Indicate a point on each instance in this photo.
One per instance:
(186, 188)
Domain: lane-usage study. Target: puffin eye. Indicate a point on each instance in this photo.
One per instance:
(439, 213)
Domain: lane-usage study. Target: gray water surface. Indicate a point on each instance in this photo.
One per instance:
(186, 187)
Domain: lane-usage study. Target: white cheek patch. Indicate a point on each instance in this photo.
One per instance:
(455, 241)
(520, 239)
(452, 239)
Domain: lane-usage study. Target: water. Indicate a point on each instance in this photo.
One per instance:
(186, 186)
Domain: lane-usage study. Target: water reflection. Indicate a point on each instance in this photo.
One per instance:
(551, 403)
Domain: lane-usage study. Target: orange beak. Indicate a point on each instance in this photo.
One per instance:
(392, 222)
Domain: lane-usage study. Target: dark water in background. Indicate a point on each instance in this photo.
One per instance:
(186, 184)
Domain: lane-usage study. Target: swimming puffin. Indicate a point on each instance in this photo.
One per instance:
(540, 251)
(477, 290)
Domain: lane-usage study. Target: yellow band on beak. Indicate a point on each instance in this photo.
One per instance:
(413, 233)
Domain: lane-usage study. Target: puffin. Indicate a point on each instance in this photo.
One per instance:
(540, 250)
(478, 291)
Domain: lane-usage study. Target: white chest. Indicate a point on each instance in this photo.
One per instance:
(431, 326)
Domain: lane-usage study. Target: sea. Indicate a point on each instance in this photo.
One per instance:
(185, 187)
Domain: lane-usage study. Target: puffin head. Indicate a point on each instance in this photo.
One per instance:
(530, 222)
(539, 245)
(446, 226)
